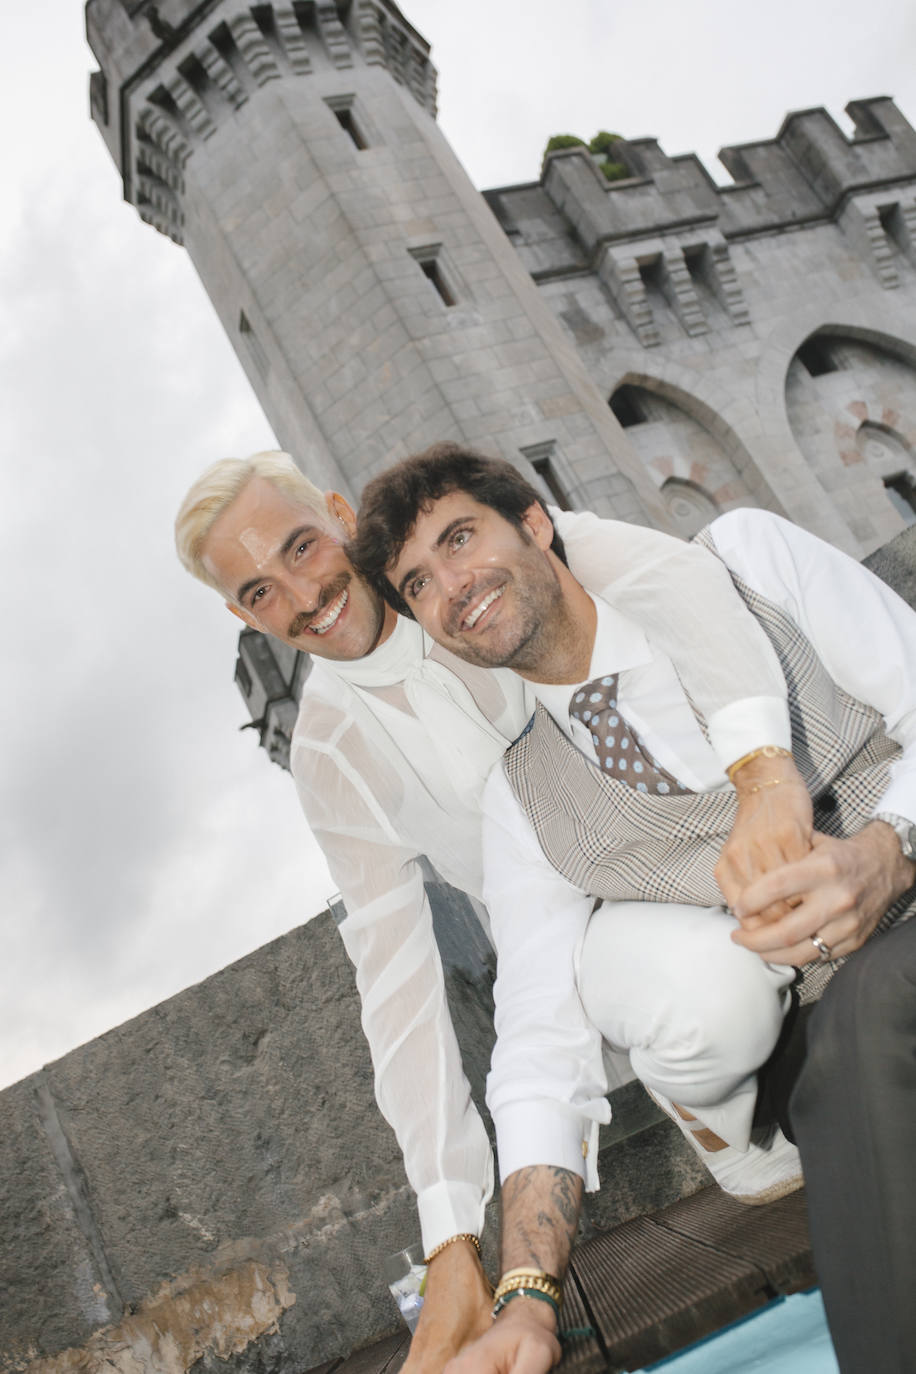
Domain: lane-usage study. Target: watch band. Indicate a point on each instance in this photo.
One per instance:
(904, 829)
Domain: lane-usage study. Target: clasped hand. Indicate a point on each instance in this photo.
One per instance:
(786, 882)
(839, 892)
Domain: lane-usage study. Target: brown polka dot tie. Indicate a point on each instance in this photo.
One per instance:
(619, 749)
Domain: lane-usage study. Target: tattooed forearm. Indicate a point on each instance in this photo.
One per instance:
(540, 1210)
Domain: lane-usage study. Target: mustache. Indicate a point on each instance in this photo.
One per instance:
(456, 611)
(302, 619)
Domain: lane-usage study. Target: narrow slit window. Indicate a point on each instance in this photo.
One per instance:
(432, 271)
(547, 473)
(345, 118)
(254, 345)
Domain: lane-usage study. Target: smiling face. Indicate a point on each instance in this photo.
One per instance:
(482, 587)
(281, 567)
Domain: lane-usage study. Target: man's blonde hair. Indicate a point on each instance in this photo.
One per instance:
(218, 487)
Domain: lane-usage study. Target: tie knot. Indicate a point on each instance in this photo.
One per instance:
(593, 697)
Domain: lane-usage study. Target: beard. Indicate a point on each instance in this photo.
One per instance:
(534, 613)
(303, 619)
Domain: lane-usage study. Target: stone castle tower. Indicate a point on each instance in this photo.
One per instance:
(653, 347)
(375, 302)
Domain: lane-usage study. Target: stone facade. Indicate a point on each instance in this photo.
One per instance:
(755, 341)
(373, 299)
(657, 347)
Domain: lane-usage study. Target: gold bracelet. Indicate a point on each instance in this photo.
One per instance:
(531, 1279)
(443, 1245)
(766, 751)
(773, 782)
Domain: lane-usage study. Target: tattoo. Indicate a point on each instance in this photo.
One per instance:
(540, 1211)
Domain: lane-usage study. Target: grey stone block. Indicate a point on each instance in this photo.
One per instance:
(52, 1292)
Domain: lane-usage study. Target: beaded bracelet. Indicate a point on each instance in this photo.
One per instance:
(443, 1245)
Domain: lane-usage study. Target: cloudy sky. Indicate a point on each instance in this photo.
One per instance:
(146, 842)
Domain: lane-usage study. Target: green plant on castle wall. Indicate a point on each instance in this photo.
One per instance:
(601, 145)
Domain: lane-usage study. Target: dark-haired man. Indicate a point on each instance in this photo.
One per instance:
(611, 793)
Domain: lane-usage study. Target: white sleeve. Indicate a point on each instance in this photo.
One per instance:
(683, 598)
(547, 1084)
(863, 632)
(420, 1084)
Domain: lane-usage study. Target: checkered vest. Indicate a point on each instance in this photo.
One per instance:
(614, 842)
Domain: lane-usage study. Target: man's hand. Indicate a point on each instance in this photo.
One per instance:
(773, 828)
(842, 889)
(456, 1309)
(540, 1209)
(522, 1340)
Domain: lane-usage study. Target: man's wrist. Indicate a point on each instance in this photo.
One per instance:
(884, 829)
(526, 1310)
(764, 772)
(903, 828)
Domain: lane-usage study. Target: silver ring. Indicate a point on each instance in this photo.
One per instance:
(822, 948)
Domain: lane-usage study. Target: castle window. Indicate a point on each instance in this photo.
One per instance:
(894, 226)
(901, 492)
(542, 458)
(430, 266)
(254, 345)
(816, 358)
(341, 107)
(626, 407)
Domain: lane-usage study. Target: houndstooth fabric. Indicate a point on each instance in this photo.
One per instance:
(616, 843)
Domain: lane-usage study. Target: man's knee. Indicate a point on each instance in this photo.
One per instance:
(672, 975)
(737, 1019)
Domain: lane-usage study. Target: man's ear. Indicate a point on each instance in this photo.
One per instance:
(243, 615)
(539, 525)
(339, 508)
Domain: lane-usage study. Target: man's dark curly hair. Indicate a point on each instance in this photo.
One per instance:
(393, 500)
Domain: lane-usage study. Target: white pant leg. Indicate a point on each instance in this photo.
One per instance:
(697, 1013)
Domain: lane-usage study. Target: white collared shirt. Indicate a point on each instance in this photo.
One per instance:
(547, 1086)
(390, 762)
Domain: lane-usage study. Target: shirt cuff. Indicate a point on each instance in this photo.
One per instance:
(736, 729)
(450, 1209)
(546, 1133)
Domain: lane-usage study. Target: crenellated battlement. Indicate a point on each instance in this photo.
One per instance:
(808, 172)
(172, 72)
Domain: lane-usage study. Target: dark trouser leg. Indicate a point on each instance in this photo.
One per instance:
(854, 1115)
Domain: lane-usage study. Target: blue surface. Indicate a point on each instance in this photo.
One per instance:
(788, 1336)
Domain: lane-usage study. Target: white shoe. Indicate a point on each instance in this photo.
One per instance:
(757, 1175)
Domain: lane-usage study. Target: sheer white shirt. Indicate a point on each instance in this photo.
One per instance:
(547, 1085)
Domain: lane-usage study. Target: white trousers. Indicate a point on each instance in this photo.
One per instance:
(697, 1014)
